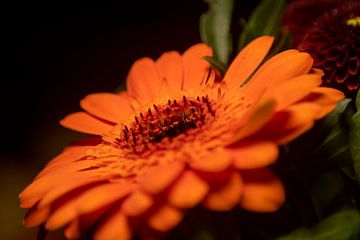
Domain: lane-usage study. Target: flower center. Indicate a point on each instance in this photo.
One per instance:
(165, 121)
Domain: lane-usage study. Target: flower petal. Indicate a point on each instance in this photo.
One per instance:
(88, 201)
(250, 155)
(165, 218)
(143, 81)
(262, 191)
(188, 191)
(68, 156)
(171, 69)
(85, 123)
(114, 227)
(256, 119)
(108, 106)
(327, 98)
(216, 161)
(57, 192)
(288, 124)
(159, 177)
(37, 189)
(36, 216)
(72, 230)
(279, 70)
(137, 204)
(248, 60)
(225, 196)
(290, 91)
(196, 67)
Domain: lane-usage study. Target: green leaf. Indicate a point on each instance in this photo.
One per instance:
(321, 194)
(343, 225)
(357, 101)
(334, 150)
(328, 123)
(215, 28)
(264, 20)
(203, 235)
(354, 140)
(299, 234)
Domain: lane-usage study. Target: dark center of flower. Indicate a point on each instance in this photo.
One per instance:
(165, 121)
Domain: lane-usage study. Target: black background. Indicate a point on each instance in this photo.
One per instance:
(60, 51)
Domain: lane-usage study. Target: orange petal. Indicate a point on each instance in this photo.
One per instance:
(262, 191)
(89, 201)
(159, 177)
(256, 119)
(288, 92)
(36, 216)
(72, 230)
(250, 155)
(227, 196)
(85, 123)
(280, 56)
(217, 161)
(137, 204)
(195, 67)
(143, 80)
(288, 124)
(171, 69)
(327, 98)
(37, 189)
(108, 106)
(66, 157)
(188, 191)
(280, 70)
(248, 60)
(165, 218)
(57, 192)
(114, 227)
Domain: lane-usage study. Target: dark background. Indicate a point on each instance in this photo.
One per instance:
(61, 51)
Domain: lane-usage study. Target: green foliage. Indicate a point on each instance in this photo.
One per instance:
(343, 225)
(329, 122)
(354, 137)
(322, 195)
(215, 29)
(264, 20)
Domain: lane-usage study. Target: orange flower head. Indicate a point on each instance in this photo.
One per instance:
(179, 137)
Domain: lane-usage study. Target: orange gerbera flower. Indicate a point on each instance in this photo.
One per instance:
(177, 138)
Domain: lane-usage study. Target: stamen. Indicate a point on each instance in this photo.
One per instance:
(166, 121)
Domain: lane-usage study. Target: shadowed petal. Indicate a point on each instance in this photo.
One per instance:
(137, 204)
(188, 191)
(158, 178)
(262, 191)
(225, 196)
(256, 154)
(114, 227)
(165, 218)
